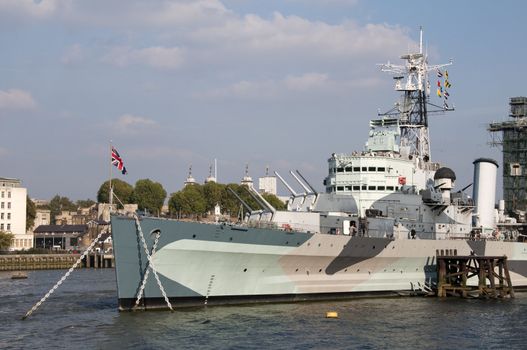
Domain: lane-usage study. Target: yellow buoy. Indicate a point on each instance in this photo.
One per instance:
(332, 314)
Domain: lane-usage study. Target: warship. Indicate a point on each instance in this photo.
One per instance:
(386, 213)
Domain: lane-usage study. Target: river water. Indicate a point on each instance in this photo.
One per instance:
(82, 313)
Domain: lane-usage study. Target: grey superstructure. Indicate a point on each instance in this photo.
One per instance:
(386, 212)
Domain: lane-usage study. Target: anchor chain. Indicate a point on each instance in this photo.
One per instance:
(145, 278)
(52, 290)
(151, 263)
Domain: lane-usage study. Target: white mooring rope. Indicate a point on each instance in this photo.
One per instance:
(52, 290)
(151, 265)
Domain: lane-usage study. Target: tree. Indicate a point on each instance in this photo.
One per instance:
(274, 201)
(57, 204)
(188, 201)
(123, 190)
(149, 196)
(6, 239)
(213, 193)
(31, 213)
(84, 203)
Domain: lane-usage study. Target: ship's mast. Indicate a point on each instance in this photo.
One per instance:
(412, 110)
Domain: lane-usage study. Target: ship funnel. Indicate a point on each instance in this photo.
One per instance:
(484, 195)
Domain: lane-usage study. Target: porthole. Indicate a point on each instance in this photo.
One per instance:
(320, 270)
(193, 236)
(319, 244)
(373, 247)
(244, 270)
(287, 242)
(296, 270)
(230, 238)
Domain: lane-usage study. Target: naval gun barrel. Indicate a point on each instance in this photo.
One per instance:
(307, 182)
(261, 200)
(308, 191)
(286, 184)
(241, 200)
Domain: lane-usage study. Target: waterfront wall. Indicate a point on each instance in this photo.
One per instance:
(53, 261)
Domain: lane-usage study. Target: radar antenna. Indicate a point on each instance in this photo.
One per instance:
(413, 109)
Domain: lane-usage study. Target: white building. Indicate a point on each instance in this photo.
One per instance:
(43, 217)
(267, 184)
(13, 212)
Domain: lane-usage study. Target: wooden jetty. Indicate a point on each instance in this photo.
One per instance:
(53, 261)
(492, 273)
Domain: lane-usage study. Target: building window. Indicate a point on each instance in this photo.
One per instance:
(8, 194)
(2, 216)
(8, 205)
(2, 205)
(1, 227)
(516, 169)
(9, 227)
(3, 193)
(8, 216)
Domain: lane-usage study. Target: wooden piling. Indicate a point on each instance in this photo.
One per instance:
(454, 275)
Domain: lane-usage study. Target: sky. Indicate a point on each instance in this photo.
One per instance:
(266, 83)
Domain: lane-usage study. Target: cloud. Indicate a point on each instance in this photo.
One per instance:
(31, 8)
(157, 57)
(131, 124)
(73, 54)
(304, 84)
(16, 99)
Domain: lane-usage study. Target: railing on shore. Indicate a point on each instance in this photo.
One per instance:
(53, 261)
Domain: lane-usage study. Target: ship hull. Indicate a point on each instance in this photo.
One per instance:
(209, 264)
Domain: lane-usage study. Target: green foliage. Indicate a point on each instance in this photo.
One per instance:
(274, 201)
(6, 239)
(31, 213)
(189, 201)
(84, 203)
(149, 195)
(123, 190)
(57, 204)
(199, 199)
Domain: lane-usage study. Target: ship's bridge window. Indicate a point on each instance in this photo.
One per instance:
(380, 188)
(371, 188)
(381, 169)
(340, 188)
(364, 168)
(372, 168)
(348, 188)
(340, 170)
(356, 168)
(389, 188)
(364, 187)
(356, 188)
(348, 169)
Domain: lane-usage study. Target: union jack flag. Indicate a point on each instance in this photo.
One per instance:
(117, 161)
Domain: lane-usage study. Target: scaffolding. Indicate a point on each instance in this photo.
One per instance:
(511, 135)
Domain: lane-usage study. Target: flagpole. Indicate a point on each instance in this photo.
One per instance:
(110, 193)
